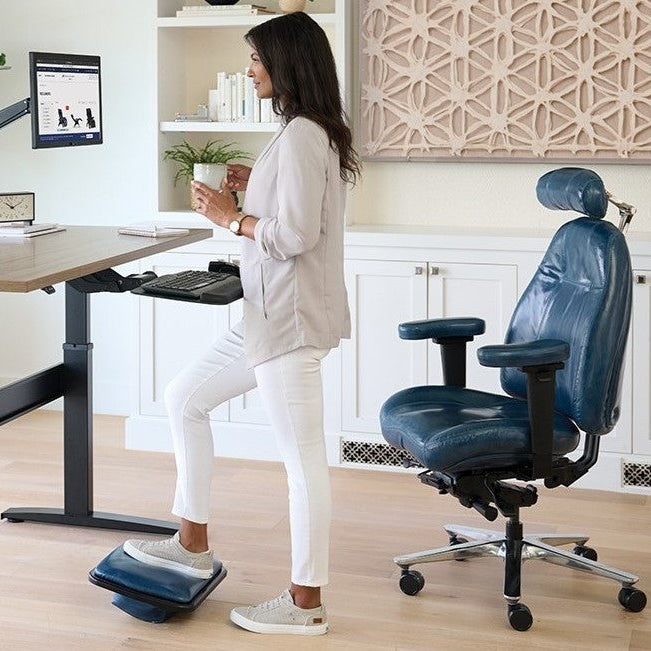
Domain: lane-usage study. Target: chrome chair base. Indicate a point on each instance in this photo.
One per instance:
(476, 542)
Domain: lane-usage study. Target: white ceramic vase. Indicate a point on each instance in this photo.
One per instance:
(290, 6)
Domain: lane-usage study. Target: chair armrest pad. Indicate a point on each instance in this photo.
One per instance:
(433, 328)
(530, 353)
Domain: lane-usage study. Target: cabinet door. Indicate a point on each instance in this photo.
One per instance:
(375, 361)
(641, 334)
(487, 291)
(172, 333)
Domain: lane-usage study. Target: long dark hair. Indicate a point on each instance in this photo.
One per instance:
(296, 53)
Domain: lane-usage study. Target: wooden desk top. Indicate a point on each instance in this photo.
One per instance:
(32, 263)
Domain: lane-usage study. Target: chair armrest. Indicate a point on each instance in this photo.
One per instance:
(451, 335)
(445, 328)
(520, 355)
(539, 360)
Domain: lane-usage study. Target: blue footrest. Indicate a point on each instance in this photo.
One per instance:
(151, 593)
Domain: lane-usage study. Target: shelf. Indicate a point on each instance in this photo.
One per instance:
(5, 67)
(208, 127)
(234, 21)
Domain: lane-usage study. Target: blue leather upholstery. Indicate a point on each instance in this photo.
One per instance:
(580, 294)
(433, 328)
(529, 353)
(152, 593)
(454, 430)
(571, 188)
(579, 297)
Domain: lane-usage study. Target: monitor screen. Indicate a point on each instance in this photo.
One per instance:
(66, 99)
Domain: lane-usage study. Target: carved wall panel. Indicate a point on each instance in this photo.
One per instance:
(517, 79)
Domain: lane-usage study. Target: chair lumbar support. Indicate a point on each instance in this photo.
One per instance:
(561, 373)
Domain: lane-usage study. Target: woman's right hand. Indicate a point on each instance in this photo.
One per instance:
(237, 176)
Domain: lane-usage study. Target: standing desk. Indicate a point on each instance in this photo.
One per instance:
(81, 257)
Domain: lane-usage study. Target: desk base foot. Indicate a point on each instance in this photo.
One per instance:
(94, 519)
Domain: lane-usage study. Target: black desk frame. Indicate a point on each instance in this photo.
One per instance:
(71, 380)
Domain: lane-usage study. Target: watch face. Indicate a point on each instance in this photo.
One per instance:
(234, 226)
(17, 206)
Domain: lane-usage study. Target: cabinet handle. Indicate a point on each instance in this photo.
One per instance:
(418, 271)
(434, 271)
(640, 279)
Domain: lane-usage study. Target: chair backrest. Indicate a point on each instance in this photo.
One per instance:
(581, 294)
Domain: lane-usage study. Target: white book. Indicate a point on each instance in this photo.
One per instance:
(222, 7)
(266, 111)
(249, 99)
(233, 98)
(239, 97)
(149, 229)
(22, 228)
(45, 231)
(256, 108)
(229, 12)
(221, 101)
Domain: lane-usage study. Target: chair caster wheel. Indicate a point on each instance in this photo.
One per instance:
(585, 552)
(632, 599)
(411, 582)
(520, 617)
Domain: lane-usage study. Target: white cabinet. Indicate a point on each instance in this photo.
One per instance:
(391, 278)
(189, 54)
(172, 333)
(377, 363)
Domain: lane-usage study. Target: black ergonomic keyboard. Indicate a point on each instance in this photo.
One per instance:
(203, 286)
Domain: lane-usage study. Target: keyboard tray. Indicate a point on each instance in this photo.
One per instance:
(221, 293)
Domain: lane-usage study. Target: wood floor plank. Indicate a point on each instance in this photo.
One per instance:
(47, 601)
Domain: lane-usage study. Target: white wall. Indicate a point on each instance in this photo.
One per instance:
(108, 184)
(115, 183)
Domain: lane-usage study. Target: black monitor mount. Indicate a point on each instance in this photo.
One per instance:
(13, 112)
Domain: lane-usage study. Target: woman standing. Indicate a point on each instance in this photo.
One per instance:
(295, 311)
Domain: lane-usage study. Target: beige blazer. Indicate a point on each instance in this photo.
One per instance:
(292, 273)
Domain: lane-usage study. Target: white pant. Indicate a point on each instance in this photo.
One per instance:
(292, 393)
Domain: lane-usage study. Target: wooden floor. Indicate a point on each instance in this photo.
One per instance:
(46, 600)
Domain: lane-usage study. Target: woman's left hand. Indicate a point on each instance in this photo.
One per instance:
(217, 205)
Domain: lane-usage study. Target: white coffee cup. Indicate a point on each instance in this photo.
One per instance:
(211, 174)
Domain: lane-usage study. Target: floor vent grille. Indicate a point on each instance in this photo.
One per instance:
(636, 474)
(375, 454)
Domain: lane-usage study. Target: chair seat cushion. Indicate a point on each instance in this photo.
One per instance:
(452, 429)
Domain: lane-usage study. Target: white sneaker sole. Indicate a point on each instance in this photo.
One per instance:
(286, 629)
(154, 561)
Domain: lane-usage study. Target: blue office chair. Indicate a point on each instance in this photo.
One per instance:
(561, 366)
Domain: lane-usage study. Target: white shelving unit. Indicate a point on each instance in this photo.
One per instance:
(189, 54)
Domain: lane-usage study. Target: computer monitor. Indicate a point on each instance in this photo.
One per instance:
(66, 99)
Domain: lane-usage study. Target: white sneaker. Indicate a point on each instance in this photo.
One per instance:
(171, 554)
(281, 615)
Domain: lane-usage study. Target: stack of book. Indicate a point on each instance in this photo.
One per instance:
(194, 11)
(235, 100)
(21, 229)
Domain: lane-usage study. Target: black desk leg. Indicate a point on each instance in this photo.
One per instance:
(78, 436)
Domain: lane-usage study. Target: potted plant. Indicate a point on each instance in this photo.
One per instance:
(207, 164)
(186, 155)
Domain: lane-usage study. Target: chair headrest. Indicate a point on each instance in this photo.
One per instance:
(573, 188)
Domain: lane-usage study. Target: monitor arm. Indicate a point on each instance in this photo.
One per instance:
(14, 111)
